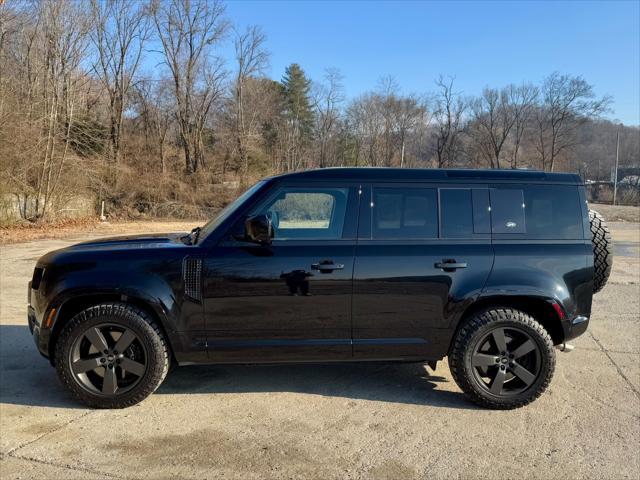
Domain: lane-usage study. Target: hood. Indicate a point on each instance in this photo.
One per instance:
(153, 240)
(131, 244)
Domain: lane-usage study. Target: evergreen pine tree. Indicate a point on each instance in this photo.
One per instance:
(298, 112)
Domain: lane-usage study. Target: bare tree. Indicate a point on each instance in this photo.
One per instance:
(367, 122)
(55, 48)
(387, 100)
(523, 101)
(567, 102)
(156, 112)
(493, 119)
(381, 122)
(251, 59)
(119, 33)
(409, 114)
(448, 110)
(328, 99)
(188, 31)
(10, 24)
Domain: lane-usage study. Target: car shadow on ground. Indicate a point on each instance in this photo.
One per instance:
(407, 383)
(27, 378)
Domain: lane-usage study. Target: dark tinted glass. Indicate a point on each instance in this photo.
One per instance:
(553, 212)
(456, 213)
(404, 213)
(481, 211)
(507, 211)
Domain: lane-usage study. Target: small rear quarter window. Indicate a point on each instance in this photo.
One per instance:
(507, 210)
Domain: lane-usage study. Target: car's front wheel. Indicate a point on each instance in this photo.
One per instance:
(502, 358)
(111, 355)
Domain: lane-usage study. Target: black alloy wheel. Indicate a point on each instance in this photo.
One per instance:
(506, 361)
(111, 355)
(108, 359)
(502, 358)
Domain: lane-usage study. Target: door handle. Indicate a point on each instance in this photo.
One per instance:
(450, 265)
(326, 266)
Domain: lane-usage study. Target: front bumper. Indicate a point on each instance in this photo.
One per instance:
(40, 334)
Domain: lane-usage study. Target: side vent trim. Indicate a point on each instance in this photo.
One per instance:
(192, 276)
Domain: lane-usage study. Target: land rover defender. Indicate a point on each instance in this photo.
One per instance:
(490, 268)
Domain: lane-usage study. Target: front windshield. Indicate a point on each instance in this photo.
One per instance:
(223, 214)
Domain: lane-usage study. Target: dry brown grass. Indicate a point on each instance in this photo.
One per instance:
(617, 213)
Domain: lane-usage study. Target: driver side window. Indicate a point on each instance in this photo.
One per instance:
(299, 213)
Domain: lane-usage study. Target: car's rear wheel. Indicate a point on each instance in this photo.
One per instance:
(111, 355)
(502, 358)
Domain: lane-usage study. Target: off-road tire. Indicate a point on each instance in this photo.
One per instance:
(147, 331)
(602, 250)
(472, 330)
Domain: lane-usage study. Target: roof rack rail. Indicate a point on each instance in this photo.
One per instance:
(463, 173)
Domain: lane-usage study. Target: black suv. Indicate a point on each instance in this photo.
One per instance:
(489, 268)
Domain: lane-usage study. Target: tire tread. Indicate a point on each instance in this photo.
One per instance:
(129, 315)
(602, 250)
(462, 341)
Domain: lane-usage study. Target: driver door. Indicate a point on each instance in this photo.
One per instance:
(289, 300)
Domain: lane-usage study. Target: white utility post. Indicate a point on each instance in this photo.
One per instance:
(615, 173)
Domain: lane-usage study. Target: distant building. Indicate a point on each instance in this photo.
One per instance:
(624, 173)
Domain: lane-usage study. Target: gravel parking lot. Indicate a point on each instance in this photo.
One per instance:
(330, 421)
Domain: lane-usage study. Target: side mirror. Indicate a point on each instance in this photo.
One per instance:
(259, 229)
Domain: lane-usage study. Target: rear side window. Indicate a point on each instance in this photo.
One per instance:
(539, 211)
(404, 213)
(456, 217)
(507, 211)
(553, 211)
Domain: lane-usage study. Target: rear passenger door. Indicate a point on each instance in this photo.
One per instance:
(424, 252)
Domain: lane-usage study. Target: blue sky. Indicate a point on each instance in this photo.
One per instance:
(480, 43)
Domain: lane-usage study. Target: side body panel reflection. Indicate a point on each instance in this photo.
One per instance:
(403, 306)
(267, 303)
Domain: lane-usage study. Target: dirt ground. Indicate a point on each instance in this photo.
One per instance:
(89, 228)
(332, 421)
(617, 213)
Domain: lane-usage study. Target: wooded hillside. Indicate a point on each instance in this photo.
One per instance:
(83, 113)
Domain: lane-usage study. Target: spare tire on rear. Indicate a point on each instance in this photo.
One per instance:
(602, 250)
